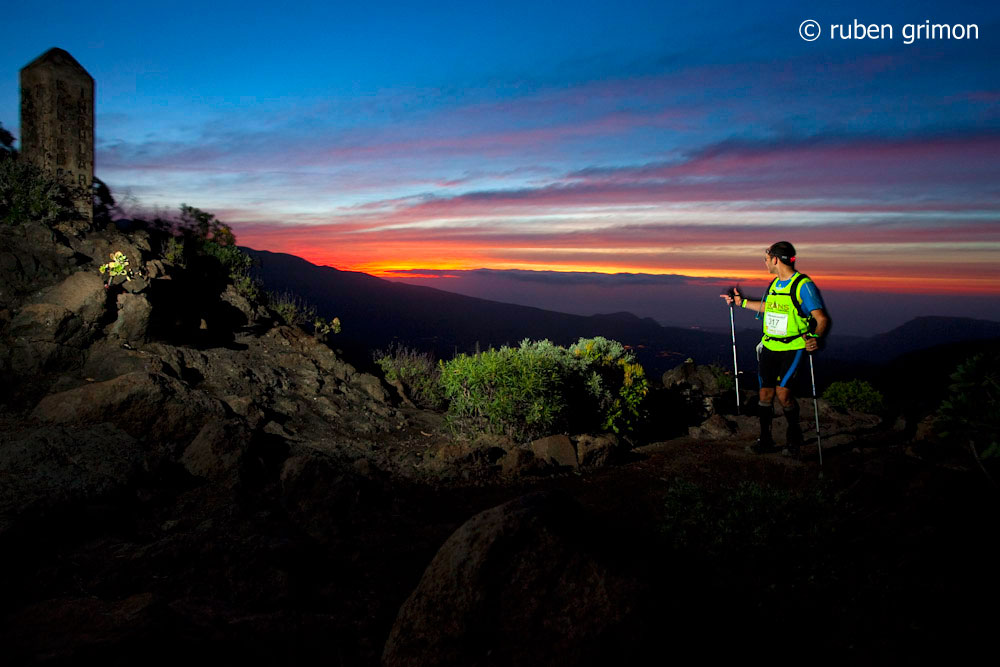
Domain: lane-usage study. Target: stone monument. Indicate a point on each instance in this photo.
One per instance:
(57, 122)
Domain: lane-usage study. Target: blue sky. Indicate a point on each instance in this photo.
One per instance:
(425, 142)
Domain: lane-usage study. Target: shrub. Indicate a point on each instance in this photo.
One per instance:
(233, 260)
(415, 371)
(971, 413)
(520, 392)
(291, 308)
(723, 378)
(173, 251)
(323, 328)
(237, 266)
(540, 388)
(28, 195)
(855, 395)
(614, 380)
(247, 286)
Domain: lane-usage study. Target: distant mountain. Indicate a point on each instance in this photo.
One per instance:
(917, 334)
(376, 312)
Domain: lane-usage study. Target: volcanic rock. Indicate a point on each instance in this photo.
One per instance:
(140, 403)
(599, 450)
(525, 583)
(555, 449)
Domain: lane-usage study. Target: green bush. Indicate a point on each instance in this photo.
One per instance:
(614, 380)
(247, 286)
(28, 195)
(517, 391)
(173, 251)
(417, 372)
(233, 260)
(970, 415)
(855, 395)
(323, 328)
(237, 266)
(540, 388)
(291, 308)
(723, 378)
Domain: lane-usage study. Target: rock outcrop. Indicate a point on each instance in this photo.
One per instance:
(173, 366)
(531, 582)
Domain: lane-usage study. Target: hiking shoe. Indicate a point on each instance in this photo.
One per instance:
(791, 452)
(762, 446)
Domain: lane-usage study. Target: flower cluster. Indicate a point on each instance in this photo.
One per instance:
(118, 266)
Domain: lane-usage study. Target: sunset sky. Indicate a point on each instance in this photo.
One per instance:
(526, 151)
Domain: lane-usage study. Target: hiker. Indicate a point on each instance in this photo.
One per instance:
(794, 323)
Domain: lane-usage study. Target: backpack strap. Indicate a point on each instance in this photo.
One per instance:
(794, 293)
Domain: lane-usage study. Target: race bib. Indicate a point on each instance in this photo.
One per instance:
(776, 324)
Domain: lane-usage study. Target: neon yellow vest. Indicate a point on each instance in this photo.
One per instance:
(783, 323)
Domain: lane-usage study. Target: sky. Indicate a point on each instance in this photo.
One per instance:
(585, 157)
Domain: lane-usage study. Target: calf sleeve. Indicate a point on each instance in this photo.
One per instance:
(766, 413)
(794, 432)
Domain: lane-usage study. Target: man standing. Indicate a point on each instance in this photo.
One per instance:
(794, 321)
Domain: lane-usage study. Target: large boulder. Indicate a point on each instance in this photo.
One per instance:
(82, 294)
(218, 450)
(51, 329)
(61, 320)
(43, 322)
(520, 461)
(557, 450)
(145, 405)
(531, 582)
(32, 257)
(714, 428)
(594, 451)
(689, 375)
(695, 393)
(134, 312)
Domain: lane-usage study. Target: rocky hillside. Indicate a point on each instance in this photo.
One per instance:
(197, 452)
(185, 478)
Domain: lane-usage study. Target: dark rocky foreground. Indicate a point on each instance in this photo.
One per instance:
(183, 478)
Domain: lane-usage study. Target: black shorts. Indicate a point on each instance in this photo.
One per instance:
(778, 369)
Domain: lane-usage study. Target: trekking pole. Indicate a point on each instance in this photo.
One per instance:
(819, 444)
(736, 368)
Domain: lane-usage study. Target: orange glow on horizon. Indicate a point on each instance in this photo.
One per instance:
(714, 262)
(867, 282)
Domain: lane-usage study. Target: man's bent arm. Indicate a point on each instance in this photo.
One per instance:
(822, 321)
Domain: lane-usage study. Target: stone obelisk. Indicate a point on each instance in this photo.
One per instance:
(57, 122)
